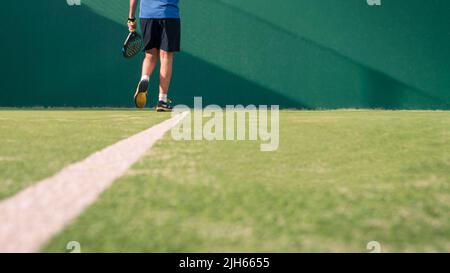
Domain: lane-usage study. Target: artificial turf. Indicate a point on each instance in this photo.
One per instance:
(37, 143)
(338, 180)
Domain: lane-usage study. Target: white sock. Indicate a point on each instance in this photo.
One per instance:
(145, 78)
(163, 97)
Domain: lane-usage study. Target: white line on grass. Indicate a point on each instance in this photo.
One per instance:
(30, 218)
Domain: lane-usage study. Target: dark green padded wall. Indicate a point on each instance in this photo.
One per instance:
(296, 53)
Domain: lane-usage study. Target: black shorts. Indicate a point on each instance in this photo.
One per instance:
(162, 34)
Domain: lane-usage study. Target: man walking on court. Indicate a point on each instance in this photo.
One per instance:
(161, 29)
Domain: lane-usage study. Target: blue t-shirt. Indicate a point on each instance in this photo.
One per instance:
(159, 9)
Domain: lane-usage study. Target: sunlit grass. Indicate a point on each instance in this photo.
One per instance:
(37, 143)
(339, 180)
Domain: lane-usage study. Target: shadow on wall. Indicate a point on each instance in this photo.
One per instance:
(73, 58)
(298, 67)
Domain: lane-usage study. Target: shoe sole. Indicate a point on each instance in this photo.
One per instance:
(140, 97)
(161, 109)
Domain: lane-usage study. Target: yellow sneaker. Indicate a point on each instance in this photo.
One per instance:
(140, 96)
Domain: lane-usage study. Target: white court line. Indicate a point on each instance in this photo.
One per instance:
(30, 218)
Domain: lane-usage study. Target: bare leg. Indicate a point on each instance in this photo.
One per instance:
(165, 74)
(150, 61)
(148, 66)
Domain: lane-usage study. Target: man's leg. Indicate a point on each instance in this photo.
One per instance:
(148, 66)
(150, 61)
(165, 76)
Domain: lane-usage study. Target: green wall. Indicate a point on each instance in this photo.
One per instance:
(296, 53)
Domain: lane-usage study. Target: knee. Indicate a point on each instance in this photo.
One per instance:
(166, 56)
(151, 55)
